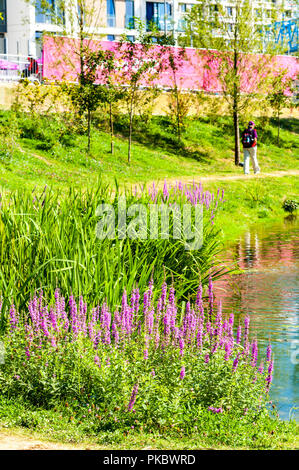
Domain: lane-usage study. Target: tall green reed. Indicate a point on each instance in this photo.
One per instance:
(48, 239)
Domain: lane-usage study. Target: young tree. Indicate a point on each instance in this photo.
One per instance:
(95, 86)
(77, 24)
(179, 102)
(280, 96)
(233, 38)
(141, 62)
(103, 67)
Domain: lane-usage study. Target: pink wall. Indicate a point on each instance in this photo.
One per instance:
(61, 62)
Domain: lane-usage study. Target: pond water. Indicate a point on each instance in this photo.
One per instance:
(268, 291)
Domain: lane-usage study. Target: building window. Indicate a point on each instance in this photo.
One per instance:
(156, 14)
(110, 37)
(38, 44)
(3, 23)
(185, 7)
(129, 18)
(110, 13)
(230, 11)
(131, 38)
(50, 14)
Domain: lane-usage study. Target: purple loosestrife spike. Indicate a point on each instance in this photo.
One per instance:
(211, 299)
(199, 337)
(13, 317)
(207, 358)
(198, 302)
(228, 350)
(183, 372)
(153, 372)
(235, 363)
(246, 329)
(133, 397)
(269, 352)
(163, 295)
(214, 348)
(44, 322)
(239, 334)
(171, 295)
(254, 353)
(269, 377)
(91, 332)
(182, 346)
(231, 324)
(53, 319)
(261, 368)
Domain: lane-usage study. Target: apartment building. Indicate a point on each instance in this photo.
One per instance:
(22, 24)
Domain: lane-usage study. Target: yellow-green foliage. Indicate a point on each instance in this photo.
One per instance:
(35, 99)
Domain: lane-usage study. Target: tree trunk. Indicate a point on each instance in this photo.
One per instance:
(178, 114)
(88, 129)
(236, 107)
(237, 136)
(278, 131)
(111, 128)
(130, 128)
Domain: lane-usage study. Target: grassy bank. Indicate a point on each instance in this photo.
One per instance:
(63, 426)
(43, 150)
(253, 202)
(40, 151)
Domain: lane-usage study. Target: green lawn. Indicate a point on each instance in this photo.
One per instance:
(45, 153)
(61, 425)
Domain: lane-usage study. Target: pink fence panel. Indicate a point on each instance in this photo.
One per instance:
(197, 71)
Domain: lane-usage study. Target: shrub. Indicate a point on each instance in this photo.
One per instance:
(290, 205)
(153, 361)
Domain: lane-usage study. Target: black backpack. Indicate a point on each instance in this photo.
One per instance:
(247, 138)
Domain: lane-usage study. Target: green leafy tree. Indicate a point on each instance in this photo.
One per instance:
(232, 37)
(105, 66)
(179, 102)
(77, 20)
(141, 62)
(281, 96)
(94, 86)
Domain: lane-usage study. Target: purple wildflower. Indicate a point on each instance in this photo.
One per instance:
(133, 397)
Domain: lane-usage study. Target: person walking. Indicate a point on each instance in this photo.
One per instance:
(249, 142)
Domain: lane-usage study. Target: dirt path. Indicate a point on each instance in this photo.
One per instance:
(12, 440)
(240, 176)
(35, 155)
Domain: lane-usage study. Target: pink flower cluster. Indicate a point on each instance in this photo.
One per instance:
(152, 323)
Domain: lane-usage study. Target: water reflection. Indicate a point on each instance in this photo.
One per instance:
(268, 291)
